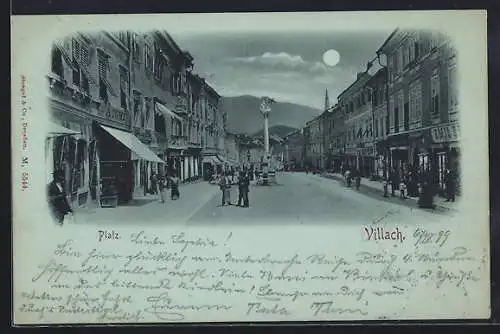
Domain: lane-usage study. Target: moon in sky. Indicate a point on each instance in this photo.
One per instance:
(331, 57)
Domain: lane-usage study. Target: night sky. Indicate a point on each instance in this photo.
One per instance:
(287, 67)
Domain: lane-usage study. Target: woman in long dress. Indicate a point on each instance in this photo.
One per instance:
(174, 186)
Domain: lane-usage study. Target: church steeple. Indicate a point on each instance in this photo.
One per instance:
(327, 100)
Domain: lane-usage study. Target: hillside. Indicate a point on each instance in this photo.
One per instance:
(277, 130)
(243, 115)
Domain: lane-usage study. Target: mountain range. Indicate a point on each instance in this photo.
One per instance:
(243, 116)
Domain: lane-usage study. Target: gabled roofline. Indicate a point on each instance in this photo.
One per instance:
(387, 41)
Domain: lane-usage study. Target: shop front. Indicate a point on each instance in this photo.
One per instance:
(445, 154)
(65, 150)
(192, 163)
(116, 152)
(67, 147)
(399, 156)
(366, 157)
(212, 166)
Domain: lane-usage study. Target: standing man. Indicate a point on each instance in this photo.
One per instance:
(225, 187)
(58, 203)
(243, 189)
(161, 187)
(450, 184)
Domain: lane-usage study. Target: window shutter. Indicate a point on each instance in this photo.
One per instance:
(76, 49)
(102, 66)
(85, 57)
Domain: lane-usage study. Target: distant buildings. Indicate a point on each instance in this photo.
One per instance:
(125, 105)
(402, 118)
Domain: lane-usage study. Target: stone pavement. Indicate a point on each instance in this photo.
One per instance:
(193, 195)
(378, 186)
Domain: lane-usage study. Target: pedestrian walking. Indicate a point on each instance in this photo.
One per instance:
(225, 187)
(174, 186)
(161, 187)
(243, 189)
(358, 179)
(386, 187)
(394, 182)
(402, 190)
(347, 177)
(153, 183)
(58, 202)
(426, 197)
(450, 184)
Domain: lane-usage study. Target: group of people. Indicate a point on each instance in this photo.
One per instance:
(225, 185)
(421, 185)
(350, 175)
(161, 182)
(410, 184)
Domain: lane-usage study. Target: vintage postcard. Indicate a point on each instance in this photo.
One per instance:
(250, 167)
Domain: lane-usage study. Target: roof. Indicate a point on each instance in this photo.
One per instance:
(211, 90)
(363, 77)
(387, 41)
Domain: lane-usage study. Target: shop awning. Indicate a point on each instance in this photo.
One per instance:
(166, 112)
(134, 144)
(56, 130)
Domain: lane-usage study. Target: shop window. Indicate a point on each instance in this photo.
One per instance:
(441, 157)
(57, 62)
(406, 116)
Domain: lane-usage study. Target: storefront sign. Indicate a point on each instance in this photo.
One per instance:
(113, 114)
(445, 133)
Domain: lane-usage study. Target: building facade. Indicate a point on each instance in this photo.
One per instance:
(294, 150)
(231, 148)
(356, 104)
(423, 104)
(90, 93)
(314, 143)
(125, 105)
(334, 139)
(377, 86)
(214, 133)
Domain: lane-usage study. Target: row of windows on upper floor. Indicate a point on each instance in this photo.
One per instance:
(413, 48)
(79, 60)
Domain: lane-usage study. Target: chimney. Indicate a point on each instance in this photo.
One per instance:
(360, 74)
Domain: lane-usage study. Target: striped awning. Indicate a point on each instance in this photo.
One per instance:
(56, 130)
(134, 144)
